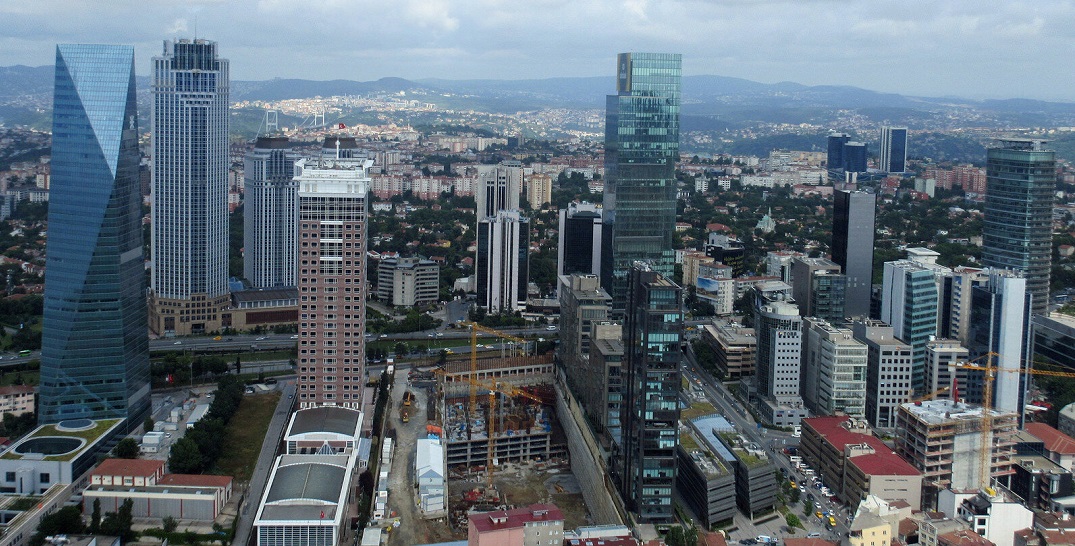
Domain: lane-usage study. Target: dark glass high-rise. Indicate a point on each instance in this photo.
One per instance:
(95, 346)
(641, 149)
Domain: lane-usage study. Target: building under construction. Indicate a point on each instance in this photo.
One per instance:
(523, 425)
(945, 440)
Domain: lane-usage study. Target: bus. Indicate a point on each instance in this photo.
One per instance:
(24, 352)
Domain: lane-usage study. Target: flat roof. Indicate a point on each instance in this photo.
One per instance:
(936, 412)
(332, 419)
(265, 294)
(313, 481)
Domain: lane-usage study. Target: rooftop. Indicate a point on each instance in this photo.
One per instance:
(936, 412)
(326, 419)
(884, 464)
(509, 519)
(195, 480)
(1054, 440)
(128, 467)
(39, 444)
(963, 537)
(312, 482)
(833, 430)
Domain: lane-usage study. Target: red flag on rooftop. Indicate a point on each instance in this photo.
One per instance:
(342, 126)
(323, 512)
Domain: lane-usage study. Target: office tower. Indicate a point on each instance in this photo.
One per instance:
(778, 327)
(852, 246)
(834, 370)
(1017, 233)
(580, 240)
(502, 262)
(819, 288)
(855, 157)
(956, 302)
(652, 332)
(1054, 340)
(778, 264)
(893, 149)
(583, 303)
(834, 160)
(641, 149)
(888, 371)
(332, 231)
(269, 214)
(499, 187)
(910, 303)
(1000, 323)
(603, 402)
(727, 251)
(94, 347)
(942, 355)
(406, 282)
(190, 189)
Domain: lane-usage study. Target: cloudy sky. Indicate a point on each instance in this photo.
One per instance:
(969, 48)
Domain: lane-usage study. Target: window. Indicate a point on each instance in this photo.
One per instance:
(44, 478)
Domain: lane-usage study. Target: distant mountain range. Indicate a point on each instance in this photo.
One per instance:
(710, 103)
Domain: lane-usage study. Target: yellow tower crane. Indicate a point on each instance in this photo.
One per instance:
(990, 371)
(474, 329)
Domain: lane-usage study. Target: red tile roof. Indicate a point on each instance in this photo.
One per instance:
(1058, 538)
(195, 480)
(509, 519)
(1055, 441)
(964, 537)
(712, 539)
(831, 430)
(884, 463)
(128, 467)
(16, 389)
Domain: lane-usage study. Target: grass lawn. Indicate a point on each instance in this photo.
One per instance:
(244, 435)
(697, 409)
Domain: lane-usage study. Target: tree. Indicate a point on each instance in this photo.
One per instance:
(185, 457)
(170, 524)
(148, 424)
(95, 518)
(793, 522)
(65, 521)
(127, 448)
(238, 366)
(119, 523)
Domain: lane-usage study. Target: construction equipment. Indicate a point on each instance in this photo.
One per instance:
(474, 329)
(990, 371)
(910, 394)
(493, 387)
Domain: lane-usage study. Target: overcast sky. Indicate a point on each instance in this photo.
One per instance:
(969, 48)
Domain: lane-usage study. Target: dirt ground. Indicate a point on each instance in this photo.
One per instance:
(522, 484)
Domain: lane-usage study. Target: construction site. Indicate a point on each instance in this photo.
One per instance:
(503, 445)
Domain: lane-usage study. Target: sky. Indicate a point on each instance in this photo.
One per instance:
(966, 48)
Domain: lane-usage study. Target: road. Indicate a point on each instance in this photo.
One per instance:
(256, 488)
(776, 440)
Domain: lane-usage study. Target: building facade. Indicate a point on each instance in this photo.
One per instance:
(852, 246)
(190, 188)
(652, 333)
(888, 371)
(269, 247)
(502, 262)
(1017, 232)
(910, 303)
(834, 370)
(580, 239)
(406, 282)
(641, 150)
(332, 232)
(820, 288)
(778, 328)
(94, 345)
(1000, 324)
(893, 149)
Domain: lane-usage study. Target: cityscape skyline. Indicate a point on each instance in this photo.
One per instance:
(947, 47)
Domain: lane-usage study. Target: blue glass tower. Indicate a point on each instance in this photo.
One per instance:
(641, 149)
(95, 346)
(893, 149)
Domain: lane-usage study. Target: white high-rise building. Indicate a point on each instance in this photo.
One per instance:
(190, 188)
(834, 374)
(779, 331)
(332, 222)
(499, 188)
(1000, 324)
(502, 261)
(269, 247)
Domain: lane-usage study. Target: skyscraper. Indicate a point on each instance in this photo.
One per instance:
(499, 188)
(819, 288)
(652, 332)
(269, 247)
(641, 149)
(852, 246)
(835, 157)
(502, 261)
(190, 188)
(580, 240)
(1017, 233)
(1000, 323)
(95, 351)
(893, 149)
(779, 331)
(332, 281)
(910, 302)
(855, 155)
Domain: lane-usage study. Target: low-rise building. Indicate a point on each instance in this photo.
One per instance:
(429, 473)
(1059, 447)
(181, 496)
(129, 472)
(534, 524)
(56, 454)
(305, 501)
(734, 346)
(755, 474)
(406, 282)
(17, 399)
(705, 482)
(994, 516)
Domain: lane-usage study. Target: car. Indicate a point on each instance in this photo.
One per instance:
(167, 434)
(551, 328)
(290, 396)
(262, 338)
(178, 343)
(764, 539)
(748, 541)
(815, 534)
(294, 336)
(382, 336)
(832, 521)
(818, 514)
(217, 338)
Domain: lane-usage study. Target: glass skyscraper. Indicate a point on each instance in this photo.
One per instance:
(1017, 234)
(852, 246)
(95, 348)
(641, 149)
(190, 188)
(650, 413)
(893, 149)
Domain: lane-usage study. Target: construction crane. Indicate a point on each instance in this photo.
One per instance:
(493, 387)
(910, 394)
(474, 329)
(990, 371)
